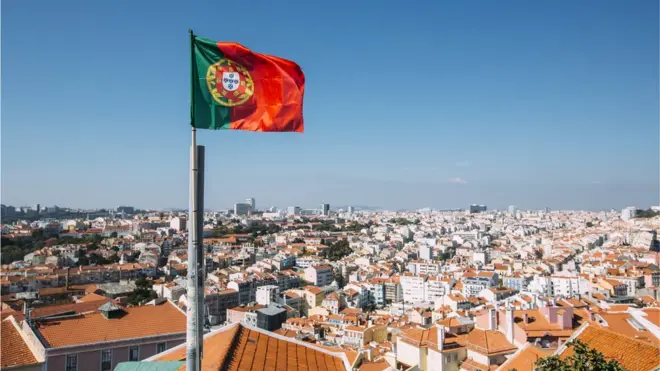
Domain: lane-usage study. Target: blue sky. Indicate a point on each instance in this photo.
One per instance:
(439, 104)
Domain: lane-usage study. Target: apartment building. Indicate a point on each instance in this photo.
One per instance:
(319, 275)
(100, 339)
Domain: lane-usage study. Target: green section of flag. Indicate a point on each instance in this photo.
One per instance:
(205, 112)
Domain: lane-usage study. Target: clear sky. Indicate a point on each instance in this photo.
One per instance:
(434, 103)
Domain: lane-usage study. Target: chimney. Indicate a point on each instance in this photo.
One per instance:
(66, 282)
(509, 324)
(525, 318)
(492, 319)
(441, 336)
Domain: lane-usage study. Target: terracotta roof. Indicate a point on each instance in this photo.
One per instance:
(92, 297)
(652, 315)
(240, 348)
(13, 350)
(525, 359)
(93, 327)
(489, 342)
(380, 365)
(630, 353)
(621, 324)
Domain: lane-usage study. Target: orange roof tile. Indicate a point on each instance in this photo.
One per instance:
(489, 342)
(240, 348)
(630, 353)
(13, 350)
(620, 323)
(379, 365)
(652, 315)
(525, 359)
(148, 320)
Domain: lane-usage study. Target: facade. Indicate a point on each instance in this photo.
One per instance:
(271, 318)
(218, 303)
(242, 209)
(412, 287)
(118, 335)
(325, 209)
(267, 295)
(252, 202)
(319, 275)
(293, 210)
(628, 213)
(178, 223)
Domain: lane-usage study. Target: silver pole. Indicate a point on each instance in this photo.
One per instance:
(192, 329)
(199, 246)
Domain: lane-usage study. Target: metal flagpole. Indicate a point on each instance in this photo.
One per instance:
(194, 328)
(192, 338)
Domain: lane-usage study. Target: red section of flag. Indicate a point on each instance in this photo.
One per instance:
(279, 86)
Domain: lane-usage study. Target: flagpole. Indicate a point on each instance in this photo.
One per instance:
(193, 356)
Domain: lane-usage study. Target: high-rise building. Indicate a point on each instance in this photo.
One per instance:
(126, 209)
(325, 209)
(293, 210)
(512, 210)
(425, 252)
(477, 208)
(350, 210)
(241, 209)
(628, 213)
(252, 202)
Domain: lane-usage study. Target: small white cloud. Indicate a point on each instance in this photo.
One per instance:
(464, 163)
(457, 180)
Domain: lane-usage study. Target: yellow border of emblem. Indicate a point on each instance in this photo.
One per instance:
(224, 97)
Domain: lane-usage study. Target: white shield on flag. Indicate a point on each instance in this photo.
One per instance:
(231, 80)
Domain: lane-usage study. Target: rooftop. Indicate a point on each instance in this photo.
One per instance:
(93, 327)
(630, 353)
(240, 348)
(14, 351)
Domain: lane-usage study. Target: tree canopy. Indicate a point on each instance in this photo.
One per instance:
(582, 359)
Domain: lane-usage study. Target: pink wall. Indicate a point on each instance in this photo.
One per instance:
(482, 321)
(91, 361)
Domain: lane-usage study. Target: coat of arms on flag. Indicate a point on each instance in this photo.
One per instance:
(229, 83)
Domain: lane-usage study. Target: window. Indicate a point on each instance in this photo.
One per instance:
(134, 353)
(161, 347)
(72, 362)
(106, 360)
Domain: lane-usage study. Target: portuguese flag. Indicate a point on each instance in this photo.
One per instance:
(237, 89)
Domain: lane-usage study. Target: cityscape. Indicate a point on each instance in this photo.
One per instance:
(333, 186)
(473, 289)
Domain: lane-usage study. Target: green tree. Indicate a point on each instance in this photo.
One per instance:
(113, 234)
(298, 240)
(582, 359)
(339, 278)
(338, 250)
(142, 293)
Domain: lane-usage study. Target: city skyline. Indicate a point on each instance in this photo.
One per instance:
(564, 113)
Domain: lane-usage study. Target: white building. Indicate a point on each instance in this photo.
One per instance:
(267, 294)
(293, 210)
(628, 213)
(424, 252)
(413, 288)
(319, 275)
(422, 267)
(252, 202)
(178, 223)
(567, 286)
